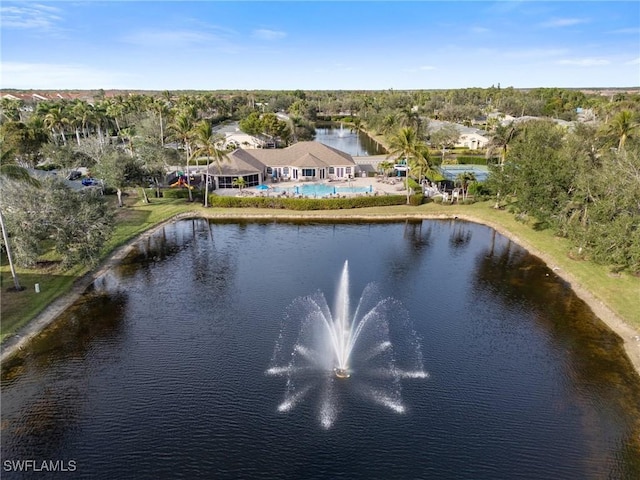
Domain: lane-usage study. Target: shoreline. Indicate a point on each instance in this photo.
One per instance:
(17, 342)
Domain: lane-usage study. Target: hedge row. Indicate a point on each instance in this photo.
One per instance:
(174, 193)
(471, 160)
(311, 203)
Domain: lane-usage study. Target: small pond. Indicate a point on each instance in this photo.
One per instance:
(168, 366)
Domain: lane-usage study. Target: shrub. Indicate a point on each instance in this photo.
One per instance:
(471, 160)
(416, 200)
(174, 192)
(47, 167)
(478, 189)
(308, 203)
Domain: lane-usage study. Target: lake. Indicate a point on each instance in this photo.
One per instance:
(161, 369)
(341, 137)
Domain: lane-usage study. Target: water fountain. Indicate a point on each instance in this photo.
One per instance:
(318, 347)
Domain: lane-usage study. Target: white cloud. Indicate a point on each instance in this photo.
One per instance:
(426, 67)
(60, 76)
(584, 62)
(635, 61)
(29, 16)
(562, 22)
(266, 34)
(480, 30)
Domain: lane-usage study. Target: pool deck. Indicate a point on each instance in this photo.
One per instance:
(390, 186)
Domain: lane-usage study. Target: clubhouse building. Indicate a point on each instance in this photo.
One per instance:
(302, 161)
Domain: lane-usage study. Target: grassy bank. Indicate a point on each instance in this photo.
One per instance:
(619, 292)
(18, 308)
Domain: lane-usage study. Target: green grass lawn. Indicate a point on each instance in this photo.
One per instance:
(619, 292)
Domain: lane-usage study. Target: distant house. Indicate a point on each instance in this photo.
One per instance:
(303, 161)
(235, 138)
(472, 140)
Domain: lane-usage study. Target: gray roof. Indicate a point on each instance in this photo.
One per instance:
(239, 162)
(435, 125)
(291, 156)
(301, 154)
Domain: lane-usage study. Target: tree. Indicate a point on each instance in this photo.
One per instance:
(119, 171)
(182, 129)
(24, 141)
(464, 179)
(161, 108)
(538, 173)
(154, 159)
(622, 127)
(238, 182)
(406, 147)
(115, 110)
(251, 125)
(601, 214)
(10, 109)
(206, 143)
(11, 172)
(274, 127)
(386, 167)
(445, 137)
(76, 223)
(421, 165)
(80, 115)
(388, 123)
(411, 118)
(500, 140)
(56, 118)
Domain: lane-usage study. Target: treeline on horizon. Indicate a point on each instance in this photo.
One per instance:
(544, 101)
(581, 182)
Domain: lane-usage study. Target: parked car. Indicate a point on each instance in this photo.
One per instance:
(89, 182)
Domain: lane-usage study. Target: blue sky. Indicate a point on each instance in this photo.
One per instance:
(206, 45)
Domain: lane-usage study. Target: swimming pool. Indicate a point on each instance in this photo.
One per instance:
(321, 189)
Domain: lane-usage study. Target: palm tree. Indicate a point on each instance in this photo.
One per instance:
(182, 128)
(386, 166)
(623, 127)
(163, 111)
(421, 165)
(388, 124)
(115, 110)
(464, 179)
(129, 133)
(80, 114)
(406, 146)
(10, 109)
(238, 182)
(56, 118)
(502, 136)
(411, 118)
(206, 142)
(99, 118)
(500, 140)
